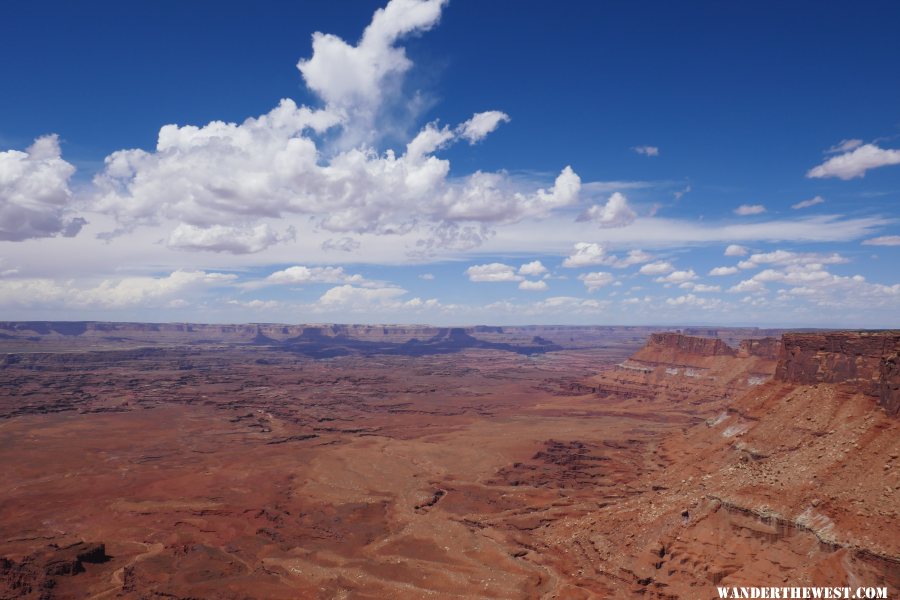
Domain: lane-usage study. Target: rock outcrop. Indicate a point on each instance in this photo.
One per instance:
(764, 347)
(35, 575)
(865, 360)
(702, 346)
(684, 372)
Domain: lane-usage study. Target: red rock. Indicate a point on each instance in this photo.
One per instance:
(867, 361)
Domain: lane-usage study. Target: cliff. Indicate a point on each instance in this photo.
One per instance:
(676, 348)
(764, 348)
(868, 361)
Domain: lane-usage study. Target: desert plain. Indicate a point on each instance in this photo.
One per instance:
(325, 461)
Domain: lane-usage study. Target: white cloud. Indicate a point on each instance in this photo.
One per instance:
(647, 150)
(856, 162)
(355, 81)
(493, 272)
(533, 269)
(348, 296)
(808, 203)
(277, 165)
(586, 254)
(427, 276)
(657, 268)
(720, 271)
(615, 213)
(784, 257)
(256, 304)
(533, 286)
(699, 287)
(564, 305)
(678, 277)
(695, 301)
(736, 250)
(811, 282)
(634, 257)
(749, 209)
(844, 146)
(884, 240)
(481, 124)
(220, 238)
(34, 192)
(145, 292)
(487, 197)
(299, 275)
(748, 286)
(596, 280)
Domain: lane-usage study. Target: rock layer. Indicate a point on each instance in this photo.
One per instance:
(867, 361)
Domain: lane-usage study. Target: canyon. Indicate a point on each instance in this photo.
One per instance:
(407, 461)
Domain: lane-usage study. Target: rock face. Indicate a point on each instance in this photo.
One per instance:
(35, 575)
(866, 360)
(678, 344)
(675, 369)
(764, 347)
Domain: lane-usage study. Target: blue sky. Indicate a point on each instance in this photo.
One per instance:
(452, 163)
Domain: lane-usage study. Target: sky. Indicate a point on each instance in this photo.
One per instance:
(451, 163)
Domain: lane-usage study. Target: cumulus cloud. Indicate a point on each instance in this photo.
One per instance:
(221, 238)
(367, 300)
(585, 254)
(884, 240)
(720, 271)
(700, 287)
(694, 301)
(533, 269)
(149, 292)
(493, 272)
(784, 257)
(300, 274)
(736, 250)
(596, 280)
(749, 209)
(748, 286)
(255, 304)
(481, 124)
(634, 257)
(678, 277)
(281, 163)
(353, 81)
(533, 286)
(813, 283)
(351, 296)
(564, 305)
(856, 162)
(34, 193)
(657, 268)
(489, 197)
(808, 203)
(615, 213)
(647, 150)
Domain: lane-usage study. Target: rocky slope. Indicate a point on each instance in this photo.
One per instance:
(793, 482)
(687, 375)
